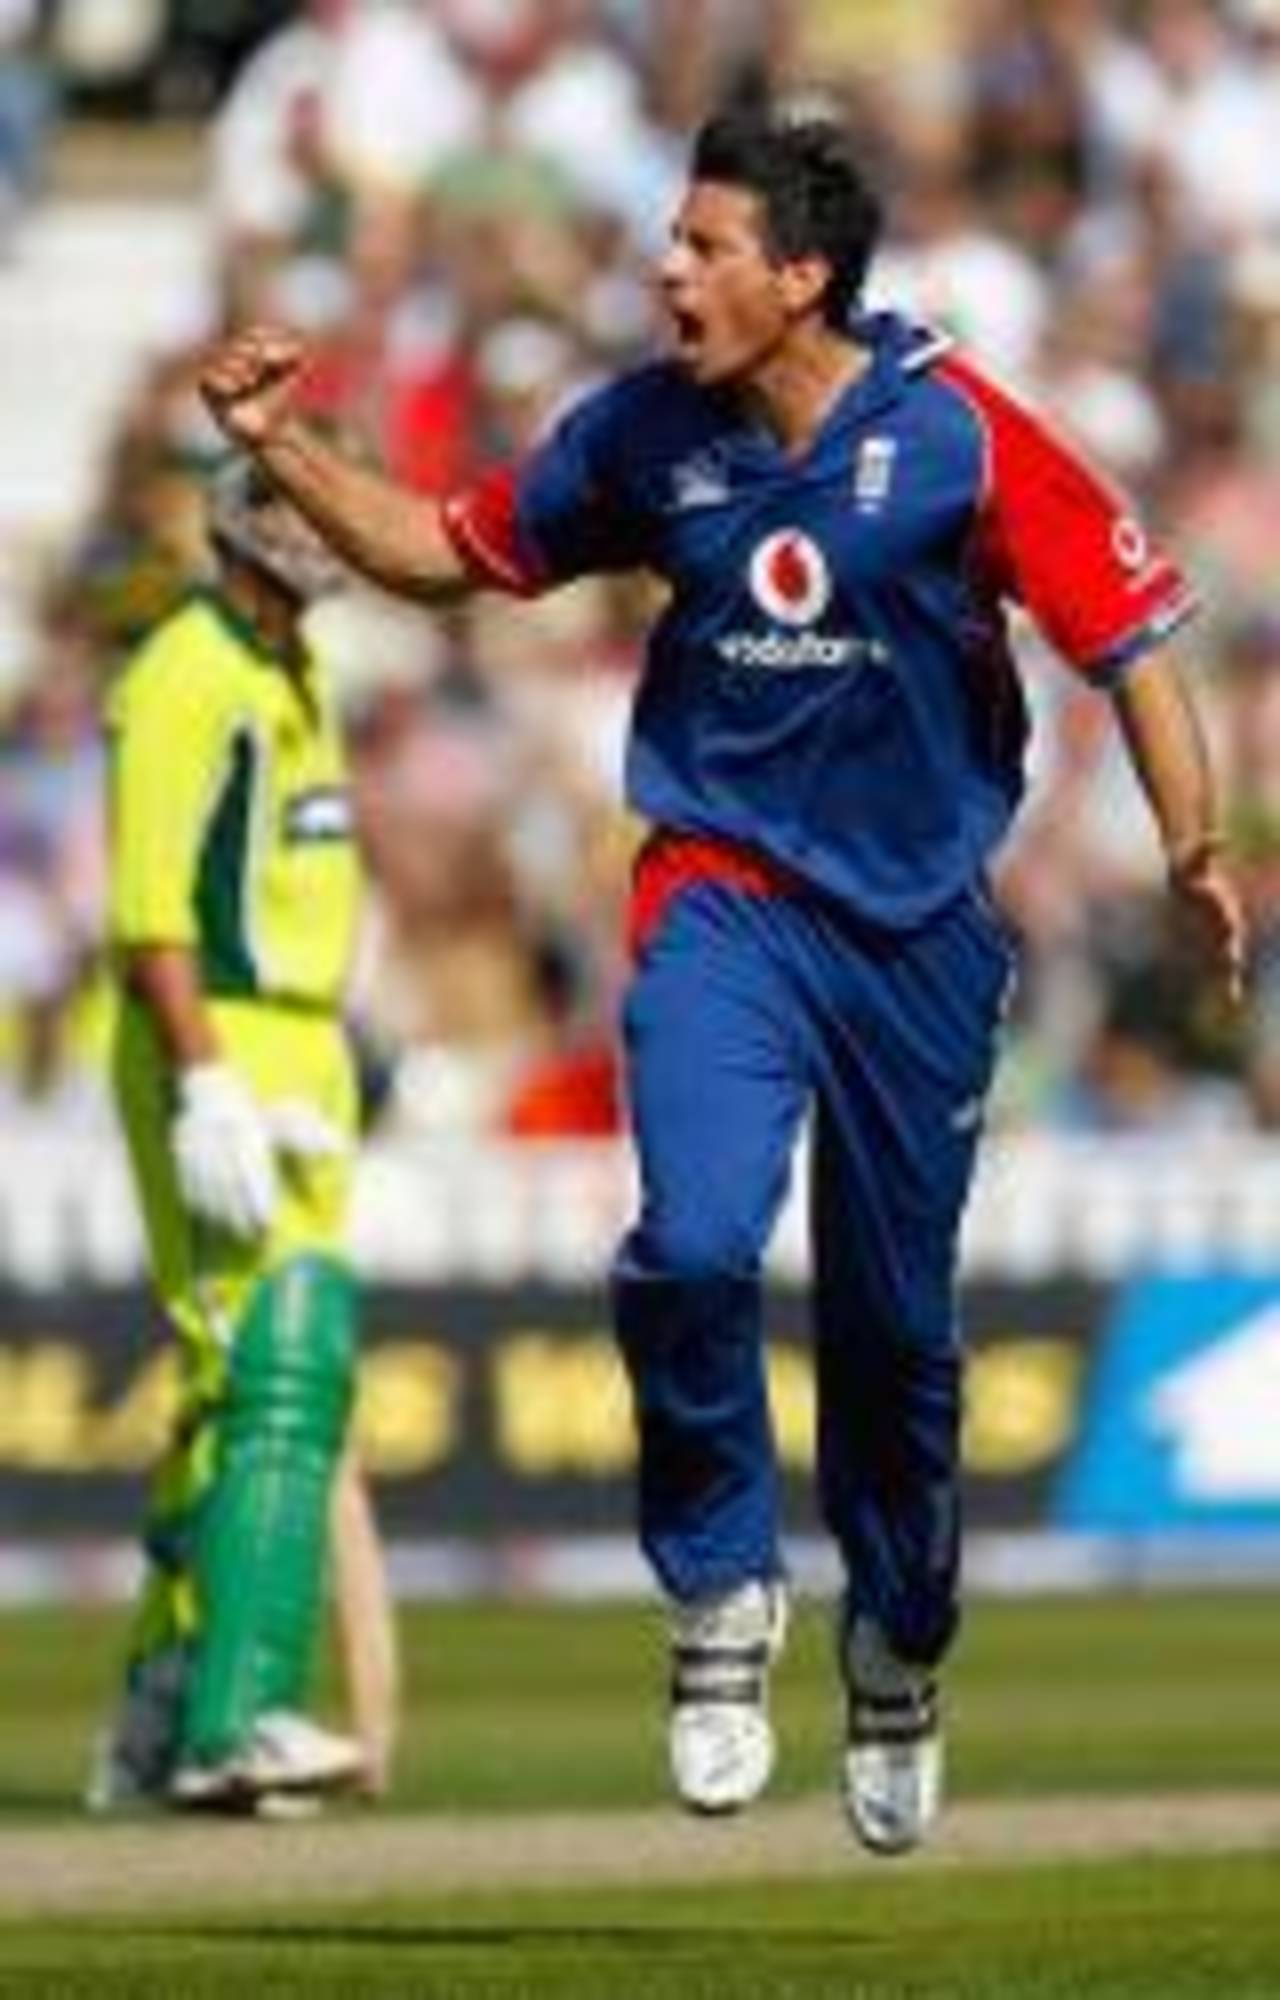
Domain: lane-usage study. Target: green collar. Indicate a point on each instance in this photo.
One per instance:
(243, 631)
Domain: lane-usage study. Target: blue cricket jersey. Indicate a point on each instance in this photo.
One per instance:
(831, 685)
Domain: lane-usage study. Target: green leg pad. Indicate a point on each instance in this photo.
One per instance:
(262, 1531)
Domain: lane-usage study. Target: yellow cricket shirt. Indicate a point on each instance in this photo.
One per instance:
(230, 814)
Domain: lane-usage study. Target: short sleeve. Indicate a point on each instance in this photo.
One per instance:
(1064, 542)
(564, 513)
(169, 727)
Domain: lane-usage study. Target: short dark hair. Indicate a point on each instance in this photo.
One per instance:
(815, 198)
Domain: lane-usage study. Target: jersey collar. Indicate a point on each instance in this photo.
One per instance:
(899, 350)
(243, 631)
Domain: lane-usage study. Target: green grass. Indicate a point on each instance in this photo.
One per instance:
(1147, 1931)
(532, 1707)
(525, 1706)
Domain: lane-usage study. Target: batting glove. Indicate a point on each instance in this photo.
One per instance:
(222, 1151)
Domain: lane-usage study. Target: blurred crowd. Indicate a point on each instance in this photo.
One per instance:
(458, 202)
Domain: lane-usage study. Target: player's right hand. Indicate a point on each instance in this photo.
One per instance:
(250, 383)
(222, 1152)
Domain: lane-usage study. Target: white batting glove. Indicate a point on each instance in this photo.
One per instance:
(301, 1131)
(222, 1150)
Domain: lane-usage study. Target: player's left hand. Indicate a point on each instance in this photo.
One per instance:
(1211, 897)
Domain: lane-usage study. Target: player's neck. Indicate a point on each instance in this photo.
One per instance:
(270, 614)
(795, 387)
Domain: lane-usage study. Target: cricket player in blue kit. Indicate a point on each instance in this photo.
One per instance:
(827, 743)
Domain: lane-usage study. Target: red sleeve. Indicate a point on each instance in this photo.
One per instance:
(481, 522)
(1060, 539)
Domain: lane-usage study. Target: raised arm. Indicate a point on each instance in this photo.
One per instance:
(394, 537)
(1167, 748)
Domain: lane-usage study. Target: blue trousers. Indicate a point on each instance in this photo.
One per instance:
(745, 1013)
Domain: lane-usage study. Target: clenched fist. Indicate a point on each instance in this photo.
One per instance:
(250, 383)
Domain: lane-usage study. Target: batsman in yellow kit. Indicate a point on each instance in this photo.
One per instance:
(234, 903)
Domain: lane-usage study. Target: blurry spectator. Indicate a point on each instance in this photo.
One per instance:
(1253, 290)
(527, 369)
(944, 261)
(1027, 121)
(1091, 365)
(1217, 122)
(52, 856)
(371, 646)
(497, 877)
(696, 50)
(1225, 508)
(562, 93)
(391, 366)
(208, 41)
(267, 146)
(362, 95)
(445, 969)
(26, 109)
(107, 48)
(398, 102)
(1190, 345)
(1144, 1069)
(567, 1082)
(1117, 87)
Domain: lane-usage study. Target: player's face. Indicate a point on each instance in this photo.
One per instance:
(730, 303)
(294, 555)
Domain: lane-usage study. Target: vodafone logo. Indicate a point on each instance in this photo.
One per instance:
(1129, 542)
(791, 583)
(790, 578)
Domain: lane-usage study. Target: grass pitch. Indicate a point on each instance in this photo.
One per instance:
(531, 1710)
(1145, 1932)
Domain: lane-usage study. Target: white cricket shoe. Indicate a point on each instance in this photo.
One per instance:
(289, 1753)
(721, 1740)
(286, 1757)
(892, 1777)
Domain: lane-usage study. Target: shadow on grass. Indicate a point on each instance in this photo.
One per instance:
(622, 1937)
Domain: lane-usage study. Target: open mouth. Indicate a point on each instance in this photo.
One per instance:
(689, 331)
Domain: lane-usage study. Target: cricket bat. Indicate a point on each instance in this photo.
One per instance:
(366, 1627)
